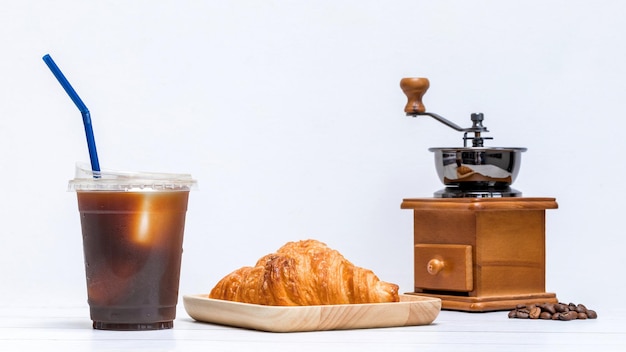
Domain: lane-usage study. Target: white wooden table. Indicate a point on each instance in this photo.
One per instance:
(69, 329)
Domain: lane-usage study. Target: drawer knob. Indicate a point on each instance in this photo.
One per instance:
(434, 266)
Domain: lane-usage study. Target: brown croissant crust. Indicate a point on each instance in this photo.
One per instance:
(304, 273)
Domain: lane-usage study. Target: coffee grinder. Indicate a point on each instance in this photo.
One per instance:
(479, 245)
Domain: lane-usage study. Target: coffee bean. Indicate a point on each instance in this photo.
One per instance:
(581, 316)
(571, 315)
(513, 314)
(535, 312)
(545, 315)
(548, 307)
(561, 308)
(522, 314)
(591, 314)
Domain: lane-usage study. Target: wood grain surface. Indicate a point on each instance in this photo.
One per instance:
(410, 311)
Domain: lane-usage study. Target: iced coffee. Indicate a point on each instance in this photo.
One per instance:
(132, 228)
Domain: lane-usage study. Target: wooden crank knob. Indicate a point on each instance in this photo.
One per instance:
(434, 266)
(414, 88)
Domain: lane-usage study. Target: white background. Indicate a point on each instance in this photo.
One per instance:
(290, 116)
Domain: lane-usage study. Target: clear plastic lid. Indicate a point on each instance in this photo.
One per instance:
(111, 180)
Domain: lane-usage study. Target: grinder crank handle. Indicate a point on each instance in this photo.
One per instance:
(414, 89)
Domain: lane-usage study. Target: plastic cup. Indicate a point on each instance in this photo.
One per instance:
(132, 226)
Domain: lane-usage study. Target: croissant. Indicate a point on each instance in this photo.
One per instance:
(304, 273)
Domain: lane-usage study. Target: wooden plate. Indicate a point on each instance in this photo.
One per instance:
(411, 310)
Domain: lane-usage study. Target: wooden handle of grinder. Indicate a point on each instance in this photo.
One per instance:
(414, 88)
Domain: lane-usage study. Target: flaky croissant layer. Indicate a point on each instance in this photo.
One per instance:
(304, 273)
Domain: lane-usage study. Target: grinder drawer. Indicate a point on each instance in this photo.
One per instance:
(444, 267)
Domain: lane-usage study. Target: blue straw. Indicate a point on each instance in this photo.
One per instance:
(91, 142)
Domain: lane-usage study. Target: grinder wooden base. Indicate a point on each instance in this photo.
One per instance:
(487, 304)
(480, 254)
